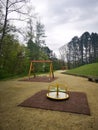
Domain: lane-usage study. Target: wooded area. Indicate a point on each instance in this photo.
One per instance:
(15, 56)
(80, 50)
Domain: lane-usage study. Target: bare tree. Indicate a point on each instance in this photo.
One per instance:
(10, 6)
(62, 51)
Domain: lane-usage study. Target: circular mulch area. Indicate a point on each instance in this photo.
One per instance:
(39, 79)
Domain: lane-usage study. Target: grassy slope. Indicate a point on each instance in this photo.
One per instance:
(85, 70)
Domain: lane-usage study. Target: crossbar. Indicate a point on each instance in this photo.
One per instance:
(41, 61)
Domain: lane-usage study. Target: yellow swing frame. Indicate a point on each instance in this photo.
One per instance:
(51, 73)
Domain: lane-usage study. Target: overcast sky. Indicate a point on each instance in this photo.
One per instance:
(64, 19)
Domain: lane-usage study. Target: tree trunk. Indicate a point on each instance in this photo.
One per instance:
(4, 27)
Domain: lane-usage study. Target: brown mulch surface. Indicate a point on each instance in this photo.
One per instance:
(39, 79)
(77, 103)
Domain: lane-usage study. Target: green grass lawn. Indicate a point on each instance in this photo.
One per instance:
(85, 70)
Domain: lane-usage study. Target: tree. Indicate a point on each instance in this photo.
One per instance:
(30, 30)
(47, 51)
(14, 59)
(33, 47)
(40, 33)
(10, 6)
(62, 51)
(33, 50)
(81, 50)
(85, 41)
(94, 42)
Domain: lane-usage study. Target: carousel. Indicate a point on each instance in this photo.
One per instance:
(57, 91)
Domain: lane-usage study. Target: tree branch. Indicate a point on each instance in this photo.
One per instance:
(15, 9)
(18, 19)
(2, 3)
(16, 2)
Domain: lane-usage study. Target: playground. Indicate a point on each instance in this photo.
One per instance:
(14, 117)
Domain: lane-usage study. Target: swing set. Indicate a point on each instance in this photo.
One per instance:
(32, 68)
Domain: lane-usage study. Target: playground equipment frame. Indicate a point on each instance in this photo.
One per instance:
(51, 74)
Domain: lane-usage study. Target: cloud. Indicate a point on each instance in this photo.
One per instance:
(71, 10)
(64, 19)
